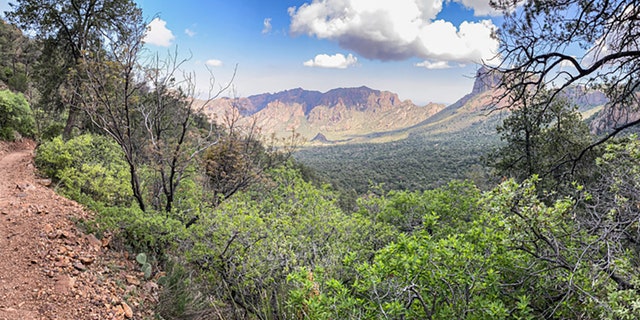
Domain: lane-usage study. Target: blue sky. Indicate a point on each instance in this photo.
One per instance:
(424, 50)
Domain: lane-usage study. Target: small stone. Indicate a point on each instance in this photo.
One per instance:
(63, 284)
(105, 241)
(132, 280)
(128, 313)
(94, 242)
(79, 267)
(44, 182)
(119, 312)
(48, 229)
(86, 260)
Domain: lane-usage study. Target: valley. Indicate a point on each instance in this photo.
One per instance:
(358, 138)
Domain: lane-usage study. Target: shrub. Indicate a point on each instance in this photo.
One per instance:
(87, 166)
(15, 115)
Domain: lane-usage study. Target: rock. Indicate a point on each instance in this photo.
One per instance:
(128, 313)
(79, 266)
(48, 229)
(94, 242)
(64, 284)
(86, 260)
(25, 187)
(105, 241)
(44, 182)
(132, 280)
(119, 312)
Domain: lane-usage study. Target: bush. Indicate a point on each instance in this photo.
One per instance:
(15, 115)
(87, 166)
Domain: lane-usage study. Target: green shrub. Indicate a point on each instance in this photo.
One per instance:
(154, 233)
(88, 167)
(15, 115)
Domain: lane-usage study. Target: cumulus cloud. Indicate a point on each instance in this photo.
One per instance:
(267, 26)
(214, 63)
(189, 32)
(479, 7)
(433, 65)
(158, 34)
(336, 61)
(396, 30)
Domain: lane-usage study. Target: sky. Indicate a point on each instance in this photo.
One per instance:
(423, 50)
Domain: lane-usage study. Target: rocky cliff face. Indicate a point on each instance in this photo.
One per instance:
(352, 98)
(339, 113)
(485, 80)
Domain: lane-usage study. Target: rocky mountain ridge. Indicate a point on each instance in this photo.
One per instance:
(362, 114)
(340, 114)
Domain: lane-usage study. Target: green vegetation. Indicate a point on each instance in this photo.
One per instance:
(423, 161)
(15, 115)
(242, 231)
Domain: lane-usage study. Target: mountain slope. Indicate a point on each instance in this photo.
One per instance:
(341, 115)
(49, 269)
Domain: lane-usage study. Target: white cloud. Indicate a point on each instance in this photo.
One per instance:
(433, 65)
(158, 34)
(479, 7)
(189, 32)
(214, 63)
(395, 30)
(336, 61)
(267, 26)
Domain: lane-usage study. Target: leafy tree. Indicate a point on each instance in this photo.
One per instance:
(551, 45)
(241, 157)
(247, 245)
(543, 140)
(15, 115)
(69, 30)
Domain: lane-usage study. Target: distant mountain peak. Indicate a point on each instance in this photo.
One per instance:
(357, 98)
(486, 79)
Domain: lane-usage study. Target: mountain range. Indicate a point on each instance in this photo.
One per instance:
(342, 114)
(362, 114)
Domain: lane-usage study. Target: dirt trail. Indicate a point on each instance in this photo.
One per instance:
(48, 268)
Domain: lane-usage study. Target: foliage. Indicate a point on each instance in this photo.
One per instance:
(87, 166)
(433, 273)
(145, 266)
(239, 159)
(548, 46)
(68, 31)
(15, 115)
(246, 246)
(17, 57)
(543, 140)
(515, 257)
(420, 162)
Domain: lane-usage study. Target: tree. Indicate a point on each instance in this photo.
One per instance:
(242, 156)
(17, 57)
(149, 110)
(552, 45)
(69, 30)
(544, 140)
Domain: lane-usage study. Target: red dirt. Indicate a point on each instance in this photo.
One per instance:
(49, 269)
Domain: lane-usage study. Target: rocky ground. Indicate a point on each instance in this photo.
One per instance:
(50, 269)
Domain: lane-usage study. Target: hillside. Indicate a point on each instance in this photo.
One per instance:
(50, 269)
(451, 144)
(340, 115)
